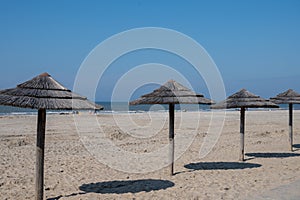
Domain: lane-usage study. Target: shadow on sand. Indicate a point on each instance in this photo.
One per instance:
(273, 155)
(220, 165)
(296, 146)
(120, 187)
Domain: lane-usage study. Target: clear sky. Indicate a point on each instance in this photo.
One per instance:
(255, 44)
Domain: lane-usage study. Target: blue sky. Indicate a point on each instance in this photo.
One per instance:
(255, 44)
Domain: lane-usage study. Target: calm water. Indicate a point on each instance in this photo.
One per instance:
(124, 107)
(110, 107)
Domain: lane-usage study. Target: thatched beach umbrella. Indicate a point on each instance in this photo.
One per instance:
(288, 97)
(172, 93)
(243, 99)
(43, 93)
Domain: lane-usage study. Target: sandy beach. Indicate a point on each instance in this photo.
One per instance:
(74, 169)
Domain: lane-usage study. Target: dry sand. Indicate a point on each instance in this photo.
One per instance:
(271, 171)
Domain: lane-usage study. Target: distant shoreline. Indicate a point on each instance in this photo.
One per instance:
(124, 108)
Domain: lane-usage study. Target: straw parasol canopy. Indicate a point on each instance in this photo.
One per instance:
(243, 99)
(172, 93)
(43, 92)
(288, 97)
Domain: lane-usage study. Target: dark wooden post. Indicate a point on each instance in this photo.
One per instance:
(291, 126)
(242, 134)
(40, 144)
(171, 136)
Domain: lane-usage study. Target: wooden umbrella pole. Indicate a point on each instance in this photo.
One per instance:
(291, 126)
(242, 134)
(40, 144)
(171, 136)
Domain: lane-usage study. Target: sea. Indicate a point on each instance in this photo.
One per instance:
(123, 107)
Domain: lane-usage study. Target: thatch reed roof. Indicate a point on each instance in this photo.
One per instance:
(172, 93)
(44, 92)
(287, 97)
(244, 99)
